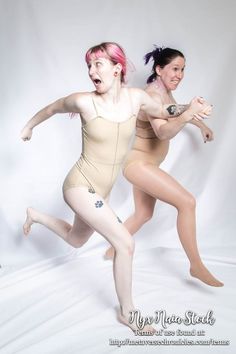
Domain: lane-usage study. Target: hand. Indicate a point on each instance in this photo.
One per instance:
(26, 133)
(200, 108)
(207, 134)
(205, 113)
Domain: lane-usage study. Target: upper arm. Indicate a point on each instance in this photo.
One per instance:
(72, 103)
(156, 123)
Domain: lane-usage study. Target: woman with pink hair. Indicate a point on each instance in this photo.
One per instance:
(108, 115)
(151, 145)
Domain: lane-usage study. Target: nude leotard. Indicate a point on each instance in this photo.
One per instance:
(104, 146)
(147, 148)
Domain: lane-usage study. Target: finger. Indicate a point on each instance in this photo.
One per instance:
(200, 116)
(197, 117)
(201, 99)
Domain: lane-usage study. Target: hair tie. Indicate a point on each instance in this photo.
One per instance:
(153, 54)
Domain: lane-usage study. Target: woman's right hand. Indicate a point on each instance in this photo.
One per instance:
(26, 133)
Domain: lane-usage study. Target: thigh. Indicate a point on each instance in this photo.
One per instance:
(93, 210)
(156, 183)
(80, 228)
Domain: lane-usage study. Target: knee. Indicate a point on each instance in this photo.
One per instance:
(131, 246)
(143, 215)
(126, 247)
(188, 202)
(77, 244)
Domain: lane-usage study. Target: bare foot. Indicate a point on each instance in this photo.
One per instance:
(147, 329)
(109, 254)
(203, 274)
(29, 220)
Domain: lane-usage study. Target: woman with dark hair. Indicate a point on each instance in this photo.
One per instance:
(149, 150)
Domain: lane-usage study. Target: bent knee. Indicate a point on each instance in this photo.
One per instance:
(143, 216)
(77, 244)
(127, 246)
(188, 201)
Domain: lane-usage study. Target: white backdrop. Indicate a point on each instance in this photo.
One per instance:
(43, 43)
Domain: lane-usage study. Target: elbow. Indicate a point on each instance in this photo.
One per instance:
(161, 135)
(56, 107)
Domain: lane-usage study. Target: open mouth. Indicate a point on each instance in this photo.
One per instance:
(97, 81)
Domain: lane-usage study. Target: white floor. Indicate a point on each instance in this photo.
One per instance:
(67, 305)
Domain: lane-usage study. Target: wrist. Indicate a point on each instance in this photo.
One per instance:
(186, 116)
(29, 126)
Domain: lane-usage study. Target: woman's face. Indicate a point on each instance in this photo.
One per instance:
(172, 73)
(102, 73)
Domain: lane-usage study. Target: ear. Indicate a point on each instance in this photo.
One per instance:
(118, 68)
(158, 70)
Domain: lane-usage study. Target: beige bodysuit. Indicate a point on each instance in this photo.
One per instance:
(147, 148)
(105, 144)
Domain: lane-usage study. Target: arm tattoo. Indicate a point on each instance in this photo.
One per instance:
(176, 109)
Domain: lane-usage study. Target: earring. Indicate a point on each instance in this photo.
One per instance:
(115, 73)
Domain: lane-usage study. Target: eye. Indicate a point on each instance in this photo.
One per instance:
(98, 64)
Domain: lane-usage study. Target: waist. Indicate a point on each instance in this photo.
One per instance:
(153, 146)
(147, 150)
(91, 160)
(144, 130)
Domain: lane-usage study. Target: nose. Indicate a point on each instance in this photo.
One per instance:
(180, 75)
(91, 70)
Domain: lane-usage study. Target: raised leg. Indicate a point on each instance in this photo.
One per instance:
(76, 235)
(95, 212)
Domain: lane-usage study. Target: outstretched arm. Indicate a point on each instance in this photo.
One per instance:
(62, 105)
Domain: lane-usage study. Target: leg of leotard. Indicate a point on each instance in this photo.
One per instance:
(93, 213)
(144, 207)
(94, 210)
(157, 183)
(76, 235)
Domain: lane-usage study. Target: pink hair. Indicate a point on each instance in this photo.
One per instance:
(111, 51)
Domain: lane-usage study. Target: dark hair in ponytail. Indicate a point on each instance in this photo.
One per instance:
(161, 56)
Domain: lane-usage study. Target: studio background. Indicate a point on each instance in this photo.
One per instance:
(43, 44)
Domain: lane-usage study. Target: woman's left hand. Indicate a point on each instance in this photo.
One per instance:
(207, 134)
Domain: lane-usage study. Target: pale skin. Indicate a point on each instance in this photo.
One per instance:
(113, 101)
(150, 183)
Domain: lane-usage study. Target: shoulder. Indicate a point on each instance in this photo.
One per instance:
(78, 101)
(79, 96)
(135, 92)
(154, 94)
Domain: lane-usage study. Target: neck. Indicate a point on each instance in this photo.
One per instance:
(158, 84)
(113, 94)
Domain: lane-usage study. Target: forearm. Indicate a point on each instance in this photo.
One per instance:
(45, 113)
(157, 110)
(170, 129)
(197, 123)
(174, 110)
